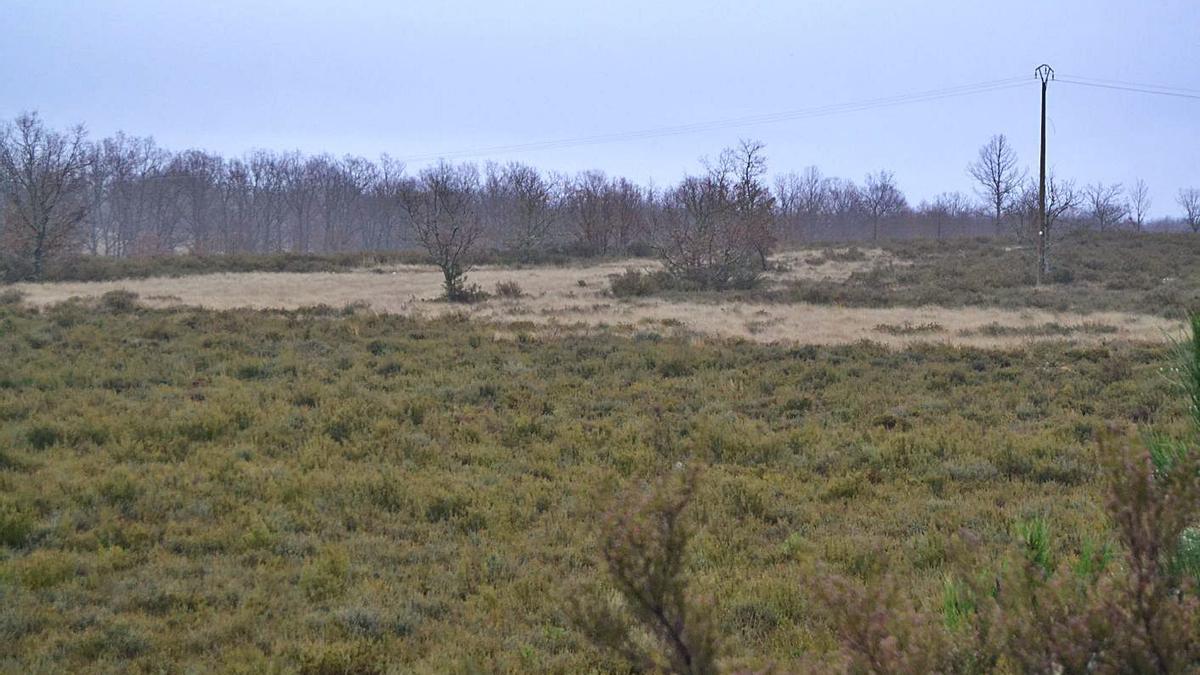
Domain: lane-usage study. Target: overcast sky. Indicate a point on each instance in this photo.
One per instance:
(409, 79)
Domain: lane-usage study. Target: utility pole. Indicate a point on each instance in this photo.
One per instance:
(1045, 73)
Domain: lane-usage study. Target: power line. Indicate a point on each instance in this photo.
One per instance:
(1143, 90)
(765, 118)
(1142, 85)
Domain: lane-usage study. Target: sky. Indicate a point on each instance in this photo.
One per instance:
(416, 80)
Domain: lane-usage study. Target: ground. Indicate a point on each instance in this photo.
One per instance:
(565, 298)
(329, 489)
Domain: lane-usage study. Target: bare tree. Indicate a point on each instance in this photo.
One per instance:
(300, 195)
(629, 207)
(442, 205)
(713, 230)
(1139, 203)
(998, 176)
(522, 206)
(1189, 199)
(800, 200)
(789, 224)
(590, 206)
(946, 208)
(844, 203)
(383, 214)
(753, 203)
(882, 199)
(699, 241)
(1105, 204)
(44, 196)
(1062, 199)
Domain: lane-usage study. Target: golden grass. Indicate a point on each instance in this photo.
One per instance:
(576, 297)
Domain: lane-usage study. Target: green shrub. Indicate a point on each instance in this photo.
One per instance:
(327, 576)
(119, 300)
(634, 283)
(45, 569)
(42, 436)
(16, 525)
(447, 507)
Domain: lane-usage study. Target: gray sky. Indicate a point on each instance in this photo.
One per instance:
(373, 76)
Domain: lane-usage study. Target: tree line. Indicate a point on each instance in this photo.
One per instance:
(64, 195)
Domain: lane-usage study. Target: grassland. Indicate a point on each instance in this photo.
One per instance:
(184, 489)
(1092, 272)
(975, 292)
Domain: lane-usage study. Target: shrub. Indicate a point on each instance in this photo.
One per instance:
(15, 525)
(909, 328)
(326, 576)
(119, 301)
(459, 291)
(11, 296)
(446, 508)
(644, 545)
(634, 283)
(509, 289)
(356, 658)
(45, 569)
(42, 436)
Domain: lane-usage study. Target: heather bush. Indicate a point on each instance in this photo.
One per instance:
(509, 289)
(409, 495)
(635, 283)
(659, 626)
(1132, 607)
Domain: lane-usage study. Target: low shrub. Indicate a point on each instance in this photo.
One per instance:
(11, 296)
(16, 525)
(509, 289)
(634, 283)
(119, 300)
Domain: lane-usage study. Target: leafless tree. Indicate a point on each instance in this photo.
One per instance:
(1062, 201)
(442, 206)
(699, 240)
(1189, 199)
(882, 199)
(1106, 205)
(800, 201)
(590, 206)
(629, 208)
(521, 207)
(752, 200)
(141, 199)
(45, 196)
(998, 176)
(713, 230)
(946, 208)
(300, 196)
(1139, 203)
(789, 223)
(844, 203)
(383, 214)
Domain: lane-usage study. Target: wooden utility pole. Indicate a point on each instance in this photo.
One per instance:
(1045, 73)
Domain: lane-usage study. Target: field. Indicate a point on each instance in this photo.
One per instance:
(187, 484)
(976, 292)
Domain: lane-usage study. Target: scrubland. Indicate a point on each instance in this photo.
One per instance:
(976, 292)
(251, 490)
(346, 489)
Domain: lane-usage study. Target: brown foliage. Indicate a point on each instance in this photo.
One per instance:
(661, 626)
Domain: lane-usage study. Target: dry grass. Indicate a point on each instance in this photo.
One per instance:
(560, 298)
